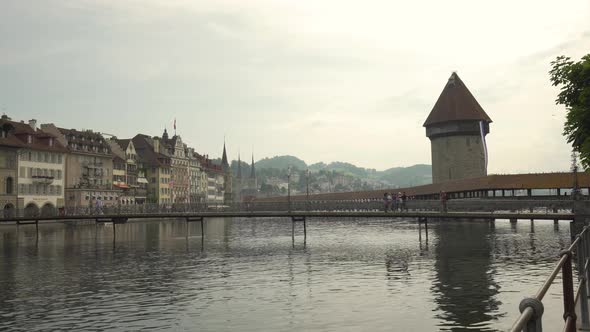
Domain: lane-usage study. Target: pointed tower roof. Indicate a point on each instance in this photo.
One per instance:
(165, 134)
(239, 167)
(252, 170)
(456, 103)
(224, 163)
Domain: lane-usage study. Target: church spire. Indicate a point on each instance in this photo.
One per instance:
(224, 163)
(239, 166)
(252, 170)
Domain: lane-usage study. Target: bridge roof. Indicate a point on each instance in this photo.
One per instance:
(490, 182)
(456, 103)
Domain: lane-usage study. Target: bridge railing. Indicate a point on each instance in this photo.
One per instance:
(532, 308)
(458, 205)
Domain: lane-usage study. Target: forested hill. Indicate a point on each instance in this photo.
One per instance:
(355, 178)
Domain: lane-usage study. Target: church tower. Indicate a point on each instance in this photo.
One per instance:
(227, 178)
(238, 182)
(252, 182)
(457, 127)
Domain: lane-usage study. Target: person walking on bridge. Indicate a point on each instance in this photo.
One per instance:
(386, 200)
(443, 201)
(404, 199)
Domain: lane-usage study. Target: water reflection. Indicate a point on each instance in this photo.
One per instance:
(248, 274)
(465, 290)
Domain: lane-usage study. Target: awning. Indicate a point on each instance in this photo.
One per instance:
(142, 180)
(121, 185)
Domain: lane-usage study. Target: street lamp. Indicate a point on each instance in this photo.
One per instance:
(289, 187)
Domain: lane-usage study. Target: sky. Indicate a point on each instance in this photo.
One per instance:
(324, 80)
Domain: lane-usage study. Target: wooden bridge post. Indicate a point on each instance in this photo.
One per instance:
(420, 229)
(304, 229)
(293, 229)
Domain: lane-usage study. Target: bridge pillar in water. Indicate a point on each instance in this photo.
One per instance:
(198, 219)
(295, 219)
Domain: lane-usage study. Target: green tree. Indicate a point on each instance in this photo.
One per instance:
(574, 81)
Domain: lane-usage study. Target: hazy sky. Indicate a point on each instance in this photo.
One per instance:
(324, 80)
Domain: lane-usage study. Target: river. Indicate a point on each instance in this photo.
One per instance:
(251, 275)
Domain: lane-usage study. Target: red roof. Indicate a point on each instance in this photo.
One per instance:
(18, 137)
(456, 103)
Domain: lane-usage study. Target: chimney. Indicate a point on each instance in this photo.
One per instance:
(33, 124)
(156, 144)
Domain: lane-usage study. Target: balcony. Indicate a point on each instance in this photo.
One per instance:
(42, 179)
(96, 164)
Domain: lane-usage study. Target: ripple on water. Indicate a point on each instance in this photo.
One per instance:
(250, 275)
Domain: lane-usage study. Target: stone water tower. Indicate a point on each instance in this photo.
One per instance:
(457, 126)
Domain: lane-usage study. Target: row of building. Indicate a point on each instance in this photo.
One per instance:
(44, 168)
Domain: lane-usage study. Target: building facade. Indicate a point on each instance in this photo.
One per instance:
(456, 127)
(156, 165)
(180, 167)
(9, 148)
(89, 168)
(41, 168)
(128, 176)
(196, 192)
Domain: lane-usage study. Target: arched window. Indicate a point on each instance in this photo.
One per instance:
(9, 185)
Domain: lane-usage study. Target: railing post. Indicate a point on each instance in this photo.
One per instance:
(535, 323)
(569, 308)
(586, 242)
(581, 258)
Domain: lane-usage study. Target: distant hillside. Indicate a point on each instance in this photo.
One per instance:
(276, 167)
(281, 162)
(407, 176)
(344, 168)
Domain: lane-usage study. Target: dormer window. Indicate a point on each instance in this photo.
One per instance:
(29, 139)
(50, 141)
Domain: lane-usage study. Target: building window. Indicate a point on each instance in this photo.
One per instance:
(59, 158)
(23, 189)
(9, 185)
(22, 172)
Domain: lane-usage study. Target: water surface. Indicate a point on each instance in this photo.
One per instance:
(251, 275)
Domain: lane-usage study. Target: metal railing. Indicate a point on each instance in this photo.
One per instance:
(532, 308)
